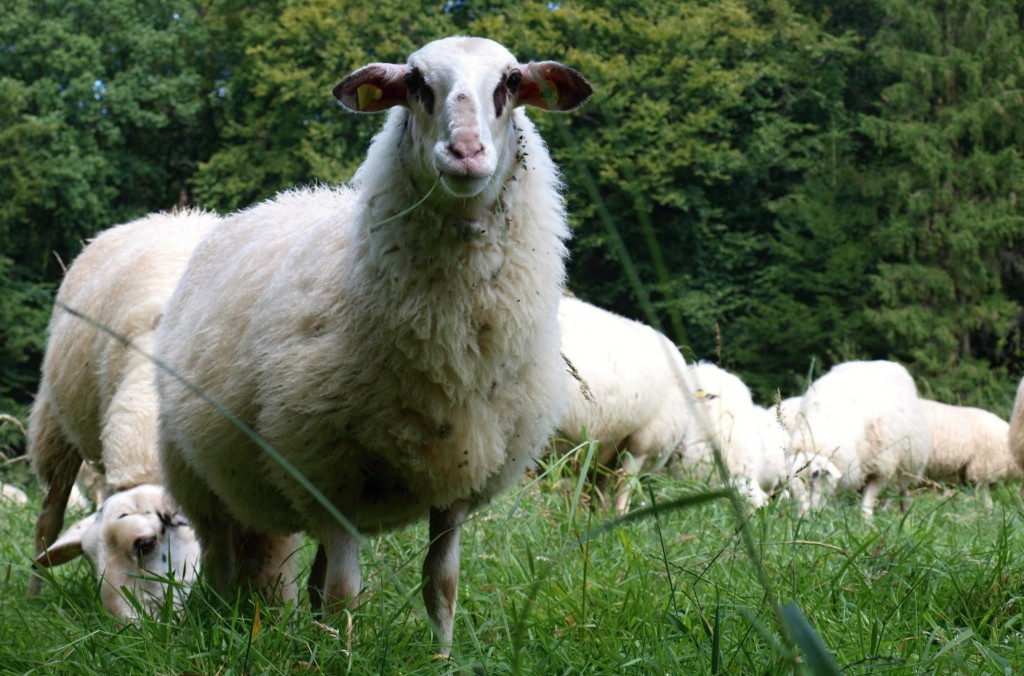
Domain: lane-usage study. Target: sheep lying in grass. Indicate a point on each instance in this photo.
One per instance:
(725, 417)
(968, 445)
(97, 402)
(13, 494)
(396, 341)
(865, 417)
(634, 378)
(1016, 433)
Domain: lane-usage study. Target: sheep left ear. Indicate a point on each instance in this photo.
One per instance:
(373, 88)
(68, 546)
(550, 85)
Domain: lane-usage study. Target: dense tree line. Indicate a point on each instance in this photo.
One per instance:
(777, 185)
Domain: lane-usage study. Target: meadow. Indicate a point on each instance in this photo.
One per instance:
(684, 584)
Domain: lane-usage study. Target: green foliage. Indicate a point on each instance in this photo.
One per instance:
(935, 591)
(769, 182)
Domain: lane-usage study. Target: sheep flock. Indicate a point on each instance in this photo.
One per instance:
(341, 361)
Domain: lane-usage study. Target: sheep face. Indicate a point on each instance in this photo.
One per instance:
(813, 479)
(135, 541)
(458, 95)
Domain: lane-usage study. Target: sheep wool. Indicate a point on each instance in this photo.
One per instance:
(968, 444)
(866, 419)
(1016, 433)
(725, 418)
(97, 399)
(396, 340)
(636, 408)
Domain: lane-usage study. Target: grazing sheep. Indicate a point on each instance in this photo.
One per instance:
(97, 397)
(636, 407)
(865, 417)
(397, 340)
(135, 541)
(1016, 433)
(968, 445)
(725, 417)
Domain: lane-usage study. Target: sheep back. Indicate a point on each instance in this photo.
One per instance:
(866, 418)
(97, 399)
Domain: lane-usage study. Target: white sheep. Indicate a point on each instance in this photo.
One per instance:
(969, 445)
(866, 419)
(725, 417)
(397, 340)
(97, 397)
(13, 494)
(809, 478)
(634, 403)
(1016, 434)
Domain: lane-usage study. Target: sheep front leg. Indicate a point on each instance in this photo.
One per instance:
(869, 496)
(441, 571)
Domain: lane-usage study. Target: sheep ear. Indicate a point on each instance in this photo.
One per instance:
(68, 546)
(551, 86)
(373, 88)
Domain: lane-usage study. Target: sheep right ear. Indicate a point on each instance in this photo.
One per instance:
(68, 546)
(373, 88)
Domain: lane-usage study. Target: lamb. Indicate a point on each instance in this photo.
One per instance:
(865, 417)
(97, 403)
(726, 418)
(635, 404)
(395, 340)
(968, 445)
(1016, 433)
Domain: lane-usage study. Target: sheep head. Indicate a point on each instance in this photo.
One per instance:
(458, 95)
(137, 541)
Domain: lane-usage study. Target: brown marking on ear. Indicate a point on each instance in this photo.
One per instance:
(373, 88)
(552, 86)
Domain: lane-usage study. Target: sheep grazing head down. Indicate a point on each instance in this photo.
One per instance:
(457, 96)
(136, 541)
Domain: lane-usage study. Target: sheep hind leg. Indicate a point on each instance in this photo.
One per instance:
(869, 496)
(57, 464)
(441, 572)
(268, 563)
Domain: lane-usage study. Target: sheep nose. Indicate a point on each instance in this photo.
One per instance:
(466, 147)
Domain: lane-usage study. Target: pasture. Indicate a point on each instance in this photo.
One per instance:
(549, 586)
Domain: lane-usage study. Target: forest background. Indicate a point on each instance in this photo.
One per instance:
(777, 185)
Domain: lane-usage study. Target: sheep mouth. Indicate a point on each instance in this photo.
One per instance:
(464, 183)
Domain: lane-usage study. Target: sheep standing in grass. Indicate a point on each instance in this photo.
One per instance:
(1016, 433)
(866, 419)
(968, 445)
(724, 417)
(634, 403)
(97, 402)
(397, 341)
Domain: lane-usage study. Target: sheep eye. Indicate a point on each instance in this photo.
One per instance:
(417, 88)
(513, 80)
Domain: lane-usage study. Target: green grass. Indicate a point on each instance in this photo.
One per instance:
(938, 590)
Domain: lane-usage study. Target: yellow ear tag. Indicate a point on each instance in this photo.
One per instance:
(700, 394)
(366, 93)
